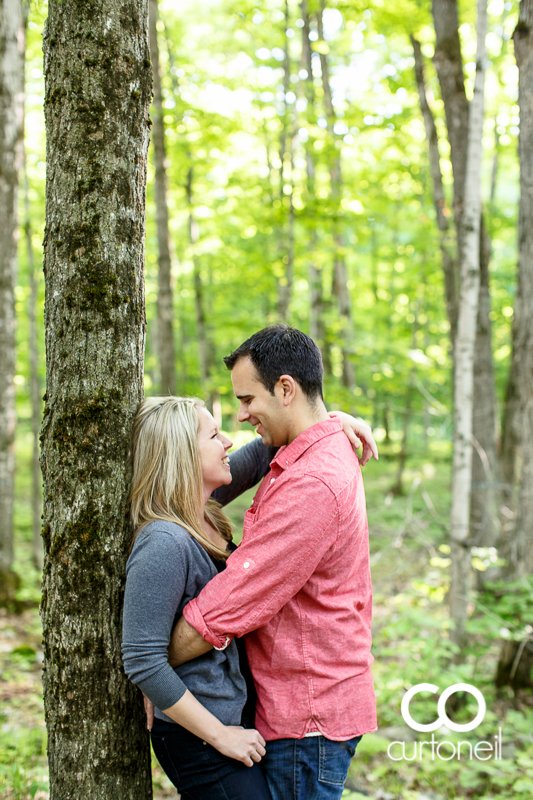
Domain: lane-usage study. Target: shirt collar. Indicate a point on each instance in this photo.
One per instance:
(290, 453)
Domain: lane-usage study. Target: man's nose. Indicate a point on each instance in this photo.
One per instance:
(243, 413)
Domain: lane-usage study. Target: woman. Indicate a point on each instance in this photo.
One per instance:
(182, 539)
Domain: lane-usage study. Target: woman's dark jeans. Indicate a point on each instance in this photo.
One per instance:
(199, 772)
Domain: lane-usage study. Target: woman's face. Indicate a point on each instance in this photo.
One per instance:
(213, 449)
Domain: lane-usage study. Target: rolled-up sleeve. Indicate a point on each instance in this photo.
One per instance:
(281, 548)
(156, 577)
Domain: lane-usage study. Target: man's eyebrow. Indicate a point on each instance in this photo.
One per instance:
(243, 396)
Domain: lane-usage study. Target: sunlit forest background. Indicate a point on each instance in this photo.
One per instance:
(275, 176)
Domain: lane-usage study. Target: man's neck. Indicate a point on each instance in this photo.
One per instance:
(308, 417)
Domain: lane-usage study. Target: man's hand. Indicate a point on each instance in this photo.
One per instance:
(185, 644)
(359, 433)
(149, 708)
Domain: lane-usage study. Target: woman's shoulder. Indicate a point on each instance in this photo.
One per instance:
(161, 534)
(163, 527)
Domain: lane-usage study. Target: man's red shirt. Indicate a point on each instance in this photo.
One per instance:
(299, 586)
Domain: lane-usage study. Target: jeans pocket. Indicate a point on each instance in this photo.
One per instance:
(334, 759)
(166, 761)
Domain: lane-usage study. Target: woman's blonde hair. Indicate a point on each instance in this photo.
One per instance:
(167, 475)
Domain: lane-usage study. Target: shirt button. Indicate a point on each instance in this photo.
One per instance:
(272, 480)
(246, 564)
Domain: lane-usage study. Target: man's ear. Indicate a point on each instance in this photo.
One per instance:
(286, 386)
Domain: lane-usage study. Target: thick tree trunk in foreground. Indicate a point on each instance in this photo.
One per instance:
(11, 127)
(464, 346)
(519, 551)
(165, 306)
(98, 87)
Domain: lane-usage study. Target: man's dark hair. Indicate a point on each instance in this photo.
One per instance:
(282, 350)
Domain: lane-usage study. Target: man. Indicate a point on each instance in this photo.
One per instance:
(299, 584)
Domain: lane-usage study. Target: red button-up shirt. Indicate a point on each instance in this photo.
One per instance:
(299, 586)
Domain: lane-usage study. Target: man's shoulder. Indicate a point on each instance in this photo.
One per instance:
(332, 461)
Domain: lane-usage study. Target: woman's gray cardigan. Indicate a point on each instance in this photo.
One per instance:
(165, 570)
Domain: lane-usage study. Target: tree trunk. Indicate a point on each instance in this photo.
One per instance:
(98, 87)
(286, 245)
(397, 488)
(35, 387)
(449, 65)
(340, 274)
(11, 127)
(485, 469)
(35, 384)
(448, 62)
(449, 262)
(165, 305)
(465, 343)
(520, 551)
(204, 345)
(316, 289)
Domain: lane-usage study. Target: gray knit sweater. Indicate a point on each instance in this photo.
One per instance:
(166, 569)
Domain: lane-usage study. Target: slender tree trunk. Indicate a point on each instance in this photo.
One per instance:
(35, 386)
(340, 273)
(449, 262)
(520, 551)
(448, 62)
(397, 488)
(510, 439)
(204, 345)
(465, 343)
(316, 289)
(98, 88)
(513, 417)
(165, 305)
(485, 468)
(449, 65)
(286, 244)
(11, 127)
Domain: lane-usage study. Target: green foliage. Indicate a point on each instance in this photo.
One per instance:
(225, 115)
(23, 763)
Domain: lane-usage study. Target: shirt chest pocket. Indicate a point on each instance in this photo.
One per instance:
(249, 519)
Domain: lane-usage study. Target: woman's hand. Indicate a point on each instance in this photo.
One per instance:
(149, 711)
(358, 432)
(243, 744)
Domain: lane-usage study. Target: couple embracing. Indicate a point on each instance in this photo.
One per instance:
(291, 604)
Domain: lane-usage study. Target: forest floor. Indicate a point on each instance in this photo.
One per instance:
(410, 569)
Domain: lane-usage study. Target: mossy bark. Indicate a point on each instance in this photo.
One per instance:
(98, 88)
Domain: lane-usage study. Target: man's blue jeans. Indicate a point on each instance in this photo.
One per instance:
(313, 768)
